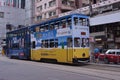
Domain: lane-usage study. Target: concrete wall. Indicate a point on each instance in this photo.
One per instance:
(29, 12)
(43, 7)
(14, 16)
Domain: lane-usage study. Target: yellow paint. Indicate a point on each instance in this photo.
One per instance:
(78, 53)
(61, 55)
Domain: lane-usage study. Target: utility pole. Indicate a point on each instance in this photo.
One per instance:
(90, 8)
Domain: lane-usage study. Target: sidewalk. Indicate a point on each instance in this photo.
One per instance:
(103, 64)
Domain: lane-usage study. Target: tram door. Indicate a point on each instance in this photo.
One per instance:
(69, 49)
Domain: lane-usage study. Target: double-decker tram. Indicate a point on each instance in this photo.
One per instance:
(18, 43)
(64, 39)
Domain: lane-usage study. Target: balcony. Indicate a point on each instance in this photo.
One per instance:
(68, 4)
(67, 7)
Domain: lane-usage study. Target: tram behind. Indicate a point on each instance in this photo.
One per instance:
(64, 39)
(18, 43)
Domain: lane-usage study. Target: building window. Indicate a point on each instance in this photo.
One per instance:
(45, 5)
(45, 15)
(39, 8)
(52, 3)
(1, 14)
(52, 13)
(23, 4)
(68, 3)
(39, 18)
(38, 0)
(99, 28)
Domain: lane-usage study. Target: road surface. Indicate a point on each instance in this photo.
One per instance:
(13, 69)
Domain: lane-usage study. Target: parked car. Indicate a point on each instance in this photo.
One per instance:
(111, 55)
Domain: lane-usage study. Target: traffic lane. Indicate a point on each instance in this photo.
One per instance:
(79, 70)
(19, 70)
(106, 67)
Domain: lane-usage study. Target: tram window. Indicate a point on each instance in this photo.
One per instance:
(69, 22)
(46, 27)
(42, 29)
(8, 35)
(9, 44)
(15, 46)
(88, 24)
(37, 29)
(26, 45)
(22, 33)
(52, 43)
(26, 31)
(75, 20)
(46, 43)
(57, 25)
(14, 34)
(11, 35)
(83, 22)
(85, 42)
(33, 30)
(43, 44)
(69, 42)
(33, 44)
(77, 42)
(63, 23)
(18, 33)
(51, 26)
(56, 43)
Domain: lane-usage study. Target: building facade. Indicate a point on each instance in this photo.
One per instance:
(29, 12)
(12, 16)
(47, 9)
(104, 21)
(105, 25)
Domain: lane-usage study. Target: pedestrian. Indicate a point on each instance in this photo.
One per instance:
(96, 54)
(3, 51)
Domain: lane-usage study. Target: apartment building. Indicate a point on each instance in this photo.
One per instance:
(47, 9)
(12, 16)
(88, 2)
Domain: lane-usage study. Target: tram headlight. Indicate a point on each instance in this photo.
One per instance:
(83, 55)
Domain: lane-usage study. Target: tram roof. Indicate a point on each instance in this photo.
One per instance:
(59, 18)
(18, 29)
(48, 21)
